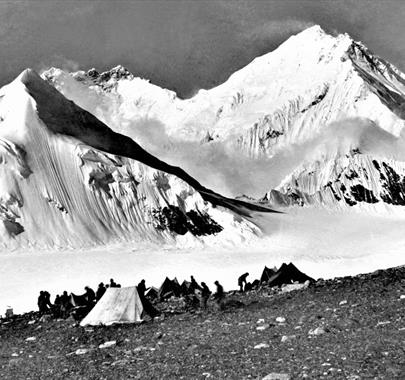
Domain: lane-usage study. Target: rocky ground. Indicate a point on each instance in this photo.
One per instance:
(346, 328)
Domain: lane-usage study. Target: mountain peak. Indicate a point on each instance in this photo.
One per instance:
(28, 76)
(117, 72)
(314, 29)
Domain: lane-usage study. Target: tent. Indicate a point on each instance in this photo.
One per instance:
(117, 305)
(267, 274)
(169, 288)
(152, 293)
(78, 300)
(186, 287)
(287, 274)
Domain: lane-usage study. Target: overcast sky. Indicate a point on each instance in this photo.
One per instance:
(182, 45)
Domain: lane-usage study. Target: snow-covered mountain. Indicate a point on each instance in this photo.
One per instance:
(67, 180)
(319, 120)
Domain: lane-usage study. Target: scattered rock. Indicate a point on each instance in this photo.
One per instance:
(82, 351)
(280, 319)
(317, 331)
(14, 354)
(344, 302)
(262, 327)
(287, 338)
(45, 318)
(140, 348)
(277, 376)
(31, 339)
(383, 323)
(260, 321)
(291, 287)
(31, 322)
(109, 344)
(119, 362)
(261, 345)
(402, 297)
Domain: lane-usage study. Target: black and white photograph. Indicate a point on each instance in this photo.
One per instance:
(202, 189)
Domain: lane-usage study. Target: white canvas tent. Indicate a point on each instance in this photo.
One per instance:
(117, 305)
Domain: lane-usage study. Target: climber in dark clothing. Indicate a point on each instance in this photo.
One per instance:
(242, 281)
(57, 300)
(194, 285)
(219, 295)
(205, 294)
(90, 295)
(100, 291)
(112, 283)
(141, 289)
(42, 303)
(56, 309)
(65, 304)
(47, 298)
(147, 306)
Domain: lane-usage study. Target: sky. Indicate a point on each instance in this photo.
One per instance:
(181, 45)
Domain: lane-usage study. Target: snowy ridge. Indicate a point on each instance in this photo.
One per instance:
(280, 103)
(67, 180)
(311, 80)
(346, 181)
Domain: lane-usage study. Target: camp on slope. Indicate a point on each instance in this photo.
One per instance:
(117, 305)
(288, 274)
(267, 274)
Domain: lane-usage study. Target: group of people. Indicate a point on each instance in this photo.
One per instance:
(63, 303)
(60, 306)
(102, 288)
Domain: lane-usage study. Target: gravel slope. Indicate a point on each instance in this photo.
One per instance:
(359, 333)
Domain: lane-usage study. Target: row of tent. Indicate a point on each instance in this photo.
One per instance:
(123, 305)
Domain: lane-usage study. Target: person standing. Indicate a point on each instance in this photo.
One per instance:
(43, 308)
(100, 291)
(90, 295)
(219, 295)
(205, 294)
(194, 285)
(242, 281)
(141, 287)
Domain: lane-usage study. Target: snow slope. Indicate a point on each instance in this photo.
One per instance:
(321, 244)
(268, 117)
(69, 181)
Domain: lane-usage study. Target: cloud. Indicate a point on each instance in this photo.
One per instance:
(275, 28)
(60, 62)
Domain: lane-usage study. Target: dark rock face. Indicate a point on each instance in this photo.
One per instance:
(352, 186)
(13, 227)
(173, 219)
(361, 194)
(392, 183)
(317, 99)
